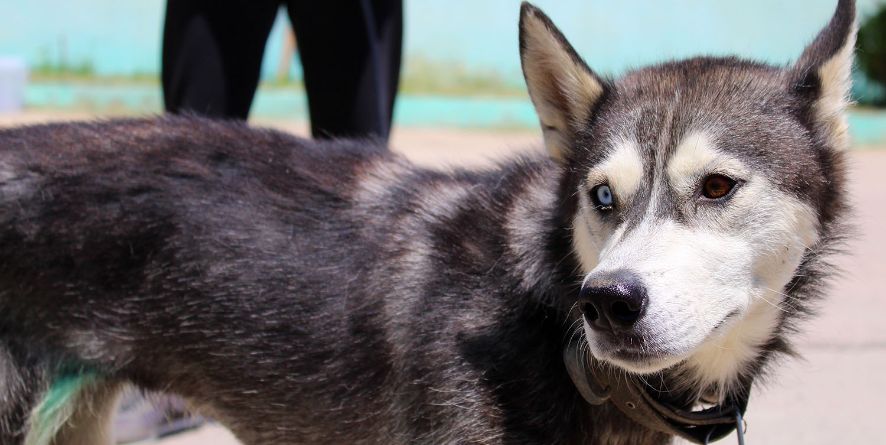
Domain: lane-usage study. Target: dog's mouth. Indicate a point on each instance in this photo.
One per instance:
(640, 354)
(639, 361)
(631, 352)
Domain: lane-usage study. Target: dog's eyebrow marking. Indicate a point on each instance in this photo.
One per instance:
(698, 155)
(695, 154)
(622, 169)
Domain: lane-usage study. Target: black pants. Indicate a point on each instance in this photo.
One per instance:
(350, 51)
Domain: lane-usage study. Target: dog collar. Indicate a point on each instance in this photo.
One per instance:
(597, 384)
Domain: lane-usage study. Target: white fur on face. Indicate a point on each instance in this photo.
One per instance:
(622, 170)
(715, 279)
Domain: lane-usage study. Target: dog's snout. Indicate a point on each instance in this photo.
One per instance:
(613, 300)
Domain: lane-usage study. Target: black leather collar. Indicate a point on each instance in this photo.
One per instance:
(598, 384)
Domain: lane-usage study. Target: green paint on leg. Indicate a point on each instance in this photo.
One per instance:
(57, 405)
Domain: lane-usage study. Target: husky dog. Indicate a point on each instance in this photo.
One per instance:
(307, 292)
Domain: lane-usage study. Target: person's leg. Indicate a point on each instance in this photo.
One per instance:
(389, 19)
(212, 53)
(350, 52)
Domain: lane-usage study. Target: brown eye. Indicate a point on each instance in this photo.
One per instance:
(717, 186)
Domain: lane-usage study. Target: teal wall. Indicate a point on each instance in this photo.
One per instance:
(123, 36)
(445, 38)
(616, 35)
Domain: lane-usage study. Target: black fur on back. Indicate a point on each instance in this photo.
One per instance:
(257, 275)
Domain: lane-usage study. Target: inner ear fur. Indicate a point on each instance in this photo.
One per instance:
(563, 89)
(822, 75)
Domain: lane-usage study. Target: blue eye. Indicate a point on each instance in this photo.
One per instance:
(601, 195)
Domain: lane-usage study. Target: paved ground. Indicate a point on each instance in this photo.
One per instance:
(834, 395)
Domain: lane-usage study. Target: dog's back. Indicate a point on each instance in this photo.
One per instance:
(268, 279)
(132, 248)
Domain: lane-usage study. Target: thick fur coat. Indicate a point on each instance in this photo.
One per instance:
(331, 292)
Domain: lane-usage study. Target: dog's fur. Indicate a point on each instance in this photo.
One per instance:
(331, 292)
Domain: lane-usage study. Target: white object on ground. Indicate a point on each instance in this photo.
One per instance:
(13, 78)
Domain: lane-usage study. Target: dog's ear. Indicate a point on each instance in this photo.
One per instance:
(562, 87)
(822, 75)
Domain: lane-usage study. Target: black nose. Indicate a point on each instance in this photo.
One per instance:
(614, 299)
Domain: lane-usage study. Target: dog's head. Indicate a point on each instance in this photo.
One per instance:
(700, 188)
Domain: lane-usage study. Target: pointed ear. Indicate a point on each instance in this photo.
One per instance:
(822, 75)
(562, 87)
